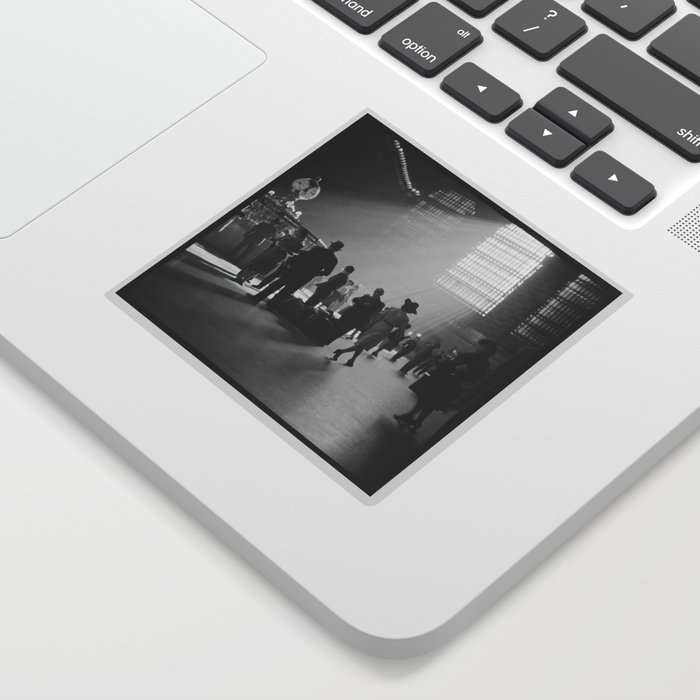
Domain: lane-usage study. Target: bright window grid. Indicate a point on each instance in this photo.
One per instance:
(495, 268)
(556, 317)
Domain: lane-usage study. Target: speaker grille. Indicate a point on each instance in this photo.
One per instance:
(688, 229)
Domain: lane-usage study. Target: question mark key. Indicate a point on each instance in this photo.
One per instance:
(541, 28)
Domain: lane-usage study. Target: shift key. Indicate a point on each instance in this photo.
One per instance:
(639, 91)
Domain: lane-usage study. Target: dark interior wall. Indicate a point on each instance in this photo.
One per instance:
(540, 287)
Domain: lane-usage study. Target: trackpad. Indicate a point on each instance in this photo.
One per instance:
(86, 82)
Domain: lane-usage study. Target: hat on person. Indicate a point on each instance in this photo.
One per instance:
(410, 307)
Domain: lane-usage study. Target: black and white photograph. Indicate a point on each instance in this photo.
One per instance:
(369, 301)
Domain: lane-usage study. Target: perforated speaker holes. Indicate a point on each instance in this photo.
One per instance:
(687, 229)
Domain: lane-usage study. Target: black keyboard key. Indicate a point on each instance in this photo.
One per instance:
(540, 27)
(481, 92)
(431, 39)
(365, 15)
(478, 8)
(614, 183)
(631, 18)
(639, 91)
(575, 115)
(544, 138)
(679, 47)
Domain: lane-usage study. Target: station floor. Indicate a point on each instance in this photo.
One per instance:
(346, 412)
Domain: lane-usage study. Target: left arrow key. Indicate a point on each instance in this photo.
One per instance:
(482, 93)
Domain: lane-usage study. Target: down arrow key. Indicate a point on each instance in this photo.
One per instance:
(544, 138)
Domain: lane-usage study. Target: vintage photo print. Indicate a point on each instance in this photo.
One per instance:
(369, 301)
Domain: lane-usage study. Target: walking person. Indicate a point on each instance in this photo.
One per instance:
(388, 320)
(443, 390)
(423, 354)
(357, 315)
(325, 289)
(342, 296)
(407, 345)
(436, 358)
(392, 340)
(298, 271)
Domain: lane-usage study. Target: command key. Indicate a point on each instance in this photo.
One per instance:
(364, 16)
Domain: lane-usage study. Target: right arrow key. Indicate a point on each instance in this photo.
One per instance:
(614, 183)
(577, 116)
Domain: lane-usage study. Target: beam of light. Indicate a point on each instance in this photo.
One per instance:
(495, 269)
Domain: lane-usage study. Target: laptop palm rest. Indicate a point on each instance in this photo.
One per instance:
(98, 80)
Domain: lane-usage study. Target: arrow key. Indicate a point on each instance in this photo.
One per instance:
(544, 138)
(579, 118)
(613, 182)
(481, 92)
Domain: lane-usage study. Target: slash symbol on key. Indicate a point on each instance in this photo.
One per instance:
(529, 29)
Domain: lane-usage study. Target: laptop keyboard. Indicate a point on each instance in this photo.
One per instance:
(631, 19)
(431, 39)
(678, 47)
(561, 127)
(492, 100)
(541, 28)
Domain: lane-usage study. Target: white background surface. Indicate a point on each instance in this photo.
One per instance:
(107, 590)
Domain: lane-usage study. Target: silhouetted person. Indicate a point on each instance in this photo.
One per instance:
(361, 309)
(388, 320)
(421, 356)
(300, 270)
(431, 363)
(442, 390)
(281, 248)
(327, 287)
(252, 239)
(338, 299)
(391, 341)
(406, 346)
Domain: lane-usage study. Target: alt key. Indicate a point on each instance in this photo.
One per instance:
(431, 39)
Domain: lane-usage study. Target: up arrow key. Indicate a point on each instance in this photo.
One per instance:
(576, 116)
(613, 178)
